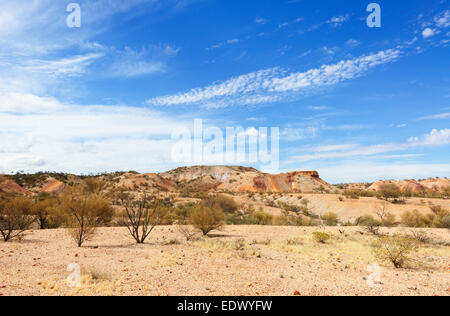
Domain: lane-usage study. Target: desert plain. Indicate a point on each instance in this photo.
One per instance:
(238, 260)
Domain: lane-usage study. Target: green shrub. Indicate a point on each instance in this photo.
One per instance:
(397, 249)
(321, 237)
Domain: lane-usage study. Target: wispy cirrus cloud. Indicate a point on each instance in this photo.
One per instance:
(433, 139)
(225, 43)
(440, 116)
(275, 84)
(71, 66)
(338, 20)
(132, 63)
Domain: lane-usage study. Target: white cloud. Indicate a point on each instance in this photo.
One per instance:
(443, 20)
(71, 66)
(433, 139)
(352, 43)
(319, 108)
(338, 20)
(428, 32)
(42, 133)
(36, 46)
(275, 84)
(436, 116)
(260, 20)
(296, 134)
(332, 148)
(147, 61)
(228, 42)
(358, 171)
(27, 103)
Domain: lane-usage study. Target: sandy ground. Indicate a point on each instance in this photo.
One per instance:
(271, 261)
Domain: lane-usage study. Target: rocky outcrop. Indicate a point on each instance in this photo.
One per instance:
(9, 186)
(414, 186)
(243, 179)
(53, 186)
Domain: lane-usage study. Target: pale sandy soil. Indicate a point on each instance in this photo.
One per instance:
(291, 262)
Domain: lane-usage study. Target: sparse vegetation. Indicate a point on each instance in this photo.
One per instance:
(321, 237)
(84, 213)
(389, 191)
(398, 250)
(15, 216)
(330, 219)
(207, 219)
(140, 215)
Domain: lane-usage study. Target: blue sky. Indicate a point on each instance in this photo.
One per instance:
(353, 102)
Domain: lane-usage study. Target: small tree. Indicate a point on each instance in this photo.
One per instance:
(207, 219)
(387, 219)
(45, 210)
(397, 249)
(84, 213)
(140, 215)
(330, 219)
(389, 191)
(15, 217)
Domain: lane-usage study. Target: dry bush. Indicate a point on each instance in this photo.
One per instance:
(140, 215)
(223, 202)
(387, 219)
(446, 221)
(295, 241)
(187, 232)
(398, 249)
(446, 192)
(264, 242)
(414, 219)
(370, 224)
(239, 244)
(437, 219)
(207, 219)
(420, 236)
(321, 237)
(330, 219)
(15, 217)
(262, 218)
(46, 211)
(84, 213)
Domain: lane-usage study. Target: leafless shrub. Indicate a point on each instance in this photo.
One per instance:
(84, 213)
(387, 219)
(186, 231)
(140, 215)
(420, 236)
